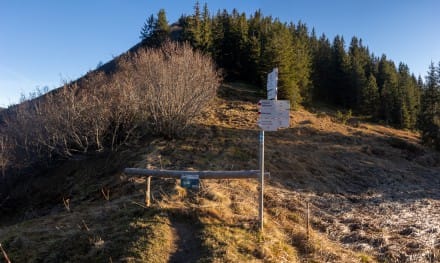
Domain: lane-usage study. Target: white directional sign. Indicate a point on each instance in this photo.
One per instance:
(273, 109)
(272, 124)
(273, 114)
(272, 84)
(268, 125)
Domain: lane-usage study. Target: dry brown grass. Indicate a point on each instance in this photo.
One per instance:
(365, 183)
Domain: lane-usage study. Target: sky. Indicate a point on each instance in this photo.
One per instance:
(44, 43)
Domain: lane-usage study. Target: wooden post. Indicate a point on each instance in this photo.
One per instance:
(244, 174)
(308, 221)
(148, 192)
(4, 254)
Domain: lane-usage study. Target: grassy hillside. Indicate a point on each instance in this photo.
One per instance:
(372, 192)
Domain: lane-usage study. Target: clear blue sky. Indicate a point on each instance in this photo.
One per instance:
(45, 42)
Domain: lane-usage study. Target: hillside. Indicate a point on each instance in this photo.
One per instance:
(373, 194)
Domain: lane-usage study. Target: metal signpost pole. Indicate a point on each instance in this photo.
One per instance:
(261, 164)
(272, 90)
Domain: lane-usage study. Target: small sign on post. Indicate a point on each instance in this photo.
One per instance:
(190, 181)
(273, 114)
(272, 84)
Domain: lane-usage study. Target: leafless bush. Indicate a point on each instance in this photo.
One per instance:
(4, 153)
(159, 89)
(177, 83)
(128, 112)
(22, 128)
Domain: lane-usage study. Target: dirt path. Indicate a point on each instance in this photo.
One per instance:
(187, 246)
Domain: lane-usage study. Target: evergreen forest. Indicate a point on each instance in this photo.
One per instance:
(312, 69)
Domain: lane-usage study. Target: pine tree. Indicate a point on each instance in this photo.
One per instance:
(231, 43)
(155, 30)
(205, 30)
(237, 42)
(219, 23)
(302, 61)
(420, 84)
(370, 97)
(254, 49)
(360, 68)
(321, 70)
(279, 52)
(192, 27)
(408, 98)
(387, 80)
(429, 121)
(148, 28)
(162, 29)
(339, 79)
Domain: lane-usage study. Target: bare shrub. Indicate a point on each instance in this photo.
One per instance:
(128, 111)
(4, 153)
(56, 124)
(79, 118)
(64, 122)
(177, 82)
(157, 90)
(22, 129)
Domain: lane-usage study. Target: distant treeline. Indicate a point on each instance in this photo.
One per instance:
(311, 68)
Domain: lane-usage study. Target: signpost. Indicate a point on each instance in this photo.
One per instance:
(272, 115)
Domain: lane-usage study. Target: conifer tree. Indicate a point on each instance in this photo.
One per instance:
(279, 52)
(196, 26)
(321, 70)
(155, 30)
(205, 30)
(230, 43)
(370, 97)
(420, 84)
(148, 28)
(339, 72)
(360, 68)
(162, 26)
(408, 98)
(237, 41)
(387, 80)
(219, 23)
(429, 121)
(254, 48)
(302, 61)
